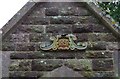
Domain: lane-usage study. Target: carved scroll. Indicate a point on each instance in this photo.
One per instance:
(64, 42)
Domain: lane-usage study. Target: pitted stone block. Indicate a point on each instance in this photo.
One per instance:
(45, 65)
(102, 65)
(7, 46)
(20, 37)
(25, 47)
(79, 64)
(62, 20)
(59, 29)
(82, 28)
(20, 65)
(38, 37)
(52, 11)
(101, 45)
(30, 29)
(87, 19)
(36, 20)
(99, 54)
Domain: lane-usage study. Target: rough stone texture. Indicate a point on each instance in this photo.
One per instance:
(36, 21)
(51, 19)
(47, 55)
(82, 37)
(63, 72)
(5, 61)
(40, 37)
(113, 46)
(87, 19)
(30, 29)
(62, 20)
(45, 65)
(102, 37)
(101, 45)
(67, 11)
(104, 65)
(89, 28)
(60, 29)
(61, 55)
(20, 37)
(99, 54)
(25, 47)
(20, 65)
(98, 74)
(51, 12)
(79, 65)
(7, 46)
(29, 74)
(119, 63)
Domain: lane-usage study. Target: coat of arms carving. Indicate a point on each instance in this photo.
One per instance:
(64, 42)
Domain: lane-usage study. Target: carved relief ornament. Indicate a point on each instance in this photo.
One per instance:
(64, 42)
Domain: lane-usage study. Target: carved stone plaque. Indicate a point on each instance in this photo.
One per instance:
(64, 42)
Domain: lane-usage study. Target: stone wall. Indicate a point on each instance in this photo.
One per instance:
(51, 19)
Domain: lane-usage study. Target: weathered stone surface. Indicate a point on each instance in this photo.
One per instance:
(5, 62)
(21, 55)
(61, 55)
(68, 55)
(79, 65)
(47, 55)
(104, 74)
(62, 20)
(81, 11)
(100, 28)
(82, 29)
(7, 39)
(67, 11)
(37, 12)
(20, 65)
(86, 19)
(87, 74)
(89, 28)
(31, 55)
(102, 65)
(62, 72)
(60, 29)
(7, 46)
(99, 54)
(20, 37)
(119, 62)
(97, 45)
(26, 74)
(34, 74)
(51, 19)
(72, 20)
(52, 12)
(36, 21)
(30, 29)
(94, 37)
(113, 45)
(25, 47)
(73, 11)
(98, 74)
(34, 37)
(16, 74)
(82, 37)
(108, 37)
(45, 65)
